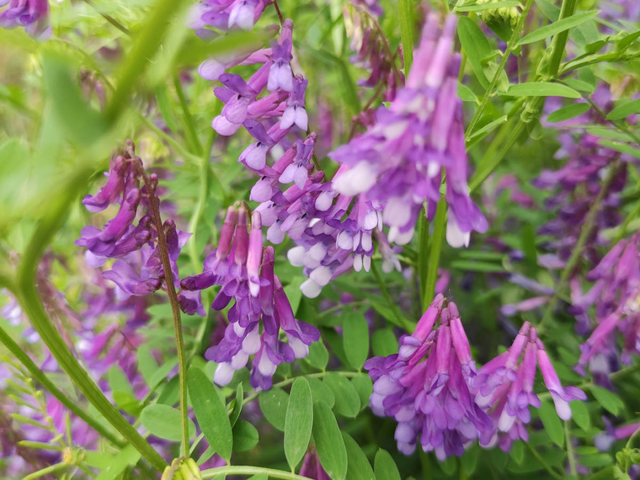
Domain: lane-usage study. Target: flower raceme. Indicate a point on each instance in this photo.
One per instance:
(137, 269)
(245, 271)
(444, 402)
(399, 161)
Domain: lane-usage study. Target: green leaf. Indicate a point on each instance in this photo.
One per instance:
(358, 467)
(476, 46)
(580, 85)
(245, 436)
(384, 342)
(364, 386)
(471, 266)
(541, 89)
(448, 466)
(384, 467)
(347, 399)
(469, 459)
(608, 400)
(623, 110)
(128, 456)
(517, 452)
(321, 392)
(565, 113)
(118, 380)
(146, 363)
(552, 423)
(298, 422)
(557, 27)
(624, 43)
(164, 422)
(294, 294)
(237, 405)
(580, 414)
(488, 6)
(318, 355)
(210, 411)
(595, 461)
(329, 443)
(84, 124)
(274, 406)
(355, 338)
(621, 147)
(465, 94)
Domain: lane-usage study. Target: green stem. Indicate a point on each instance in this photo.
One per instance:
(154, 206)
(190, 126)
(203, 195)
(289, 381)
(33, 369)
(423, 258)
(585, 233)
(570, 453)
(560, 40)
(246, 471)
(511, 46)
(109, 18)
(27, 295)
(437, 240)
(387, 297)
(542, 461)
(407, 32)
(46, 471)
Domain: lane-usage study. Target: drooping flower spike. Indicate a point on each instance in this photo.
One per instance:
(245, 271)
(138, 268)
(399, 161)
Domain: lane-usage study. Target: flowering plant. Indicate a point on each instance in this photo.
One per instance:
(343, 240)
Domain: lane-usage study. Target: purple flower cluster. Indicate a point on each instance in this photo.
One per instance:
(444, 403)
(245, 271)
(242, 105)
(225, 14)
(333, 232)
(137, 269)
(399, 161)
(33, 15)
(615, 296)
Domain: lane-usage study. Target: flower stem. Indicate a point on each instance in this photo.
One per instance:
(33, 369)
(190, 126)
(27, 295)
(242, 470)
(385, 293)
(175, 307)
(435, 248)
(46, 471)
(570, 453)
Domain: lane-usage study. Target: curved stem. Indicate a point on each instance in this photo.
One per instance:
(289, 381)
(542, 461)
(154, 206)
(33, 369)
(29, 299)
(241, 470)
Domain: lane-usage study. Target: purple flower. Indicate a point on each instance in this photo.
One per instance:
(225, 14)
(311, 467)
(33, 15)
(398, 162)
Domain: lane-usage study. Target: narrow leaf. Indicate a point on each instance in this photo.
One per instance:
(557, 27)
(488, 6)
(358, 467)
(384, 342)
(580, 414)
(542, 89)
(164, 422)
(347, 399)
(245, 436)
(476, 45)
(624, 110)
(608, 400)
(565, 113)
(274, 406)
(329, 443)
(211, 412)
(298, 422)
(355, 338)
(384, 467)
(364, 386)
(320, 392)
(552, 423)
